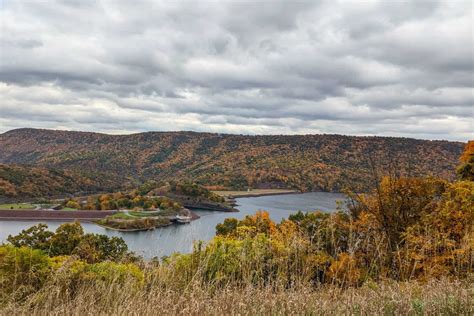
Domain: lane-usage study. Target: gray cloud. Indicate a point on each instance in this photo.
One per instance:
(363, 68)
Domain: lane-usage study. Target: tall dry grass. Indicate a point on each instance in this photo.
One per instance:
(442, 297)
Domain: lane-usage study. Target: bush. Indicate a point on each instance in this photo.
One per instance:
(22, 271)
(73, 204)
(111, 272)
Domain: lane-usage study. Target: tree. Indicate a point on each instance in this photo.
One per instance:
(95, 248)
(229, 226)
(443, 241)
(466, 169)
(37, 237)
(396, 204)
(66, 238)
(70, 239)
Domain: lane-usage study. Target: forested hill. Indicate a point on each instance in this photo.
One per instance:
(306, 162)
(24, 182)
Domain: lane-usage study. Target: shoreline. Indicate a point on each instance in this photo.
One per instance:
(254, 192)
(133, 229)
(241, 196)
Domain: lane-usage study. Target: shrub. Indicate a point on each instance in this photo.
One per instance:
(73, 204)
(22, 270)
(345, 271)
(111, 272)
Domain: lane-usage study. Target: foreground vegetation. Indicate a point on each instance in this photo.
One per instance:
(405, 248)
(303, 264)
(112, 297)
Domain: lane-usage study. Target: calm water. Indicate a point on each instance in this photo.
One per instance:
(179, 238)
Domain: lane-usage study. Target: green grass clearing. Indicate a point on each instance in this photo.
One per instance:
(121, 215)
(145, 214)
(17, 206)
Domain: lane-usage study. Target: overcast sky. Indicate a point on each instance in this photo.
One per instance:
(360, 68)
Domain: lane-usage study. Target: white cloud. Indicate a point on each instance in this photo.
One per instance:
(383, 68)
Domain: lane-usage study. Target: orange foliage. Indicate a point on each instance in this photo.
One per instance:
(345, 270)
(468, 152)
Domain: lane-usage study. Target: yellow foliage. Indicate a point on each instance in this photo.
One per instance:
(442, 243)
(468, 152)
(73, 204)
(345, 270)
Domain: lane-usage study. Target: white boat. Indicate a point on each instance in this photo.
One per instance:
(183, 219)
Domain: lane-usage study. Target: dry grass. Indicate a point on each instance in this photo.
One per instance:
(436, 297)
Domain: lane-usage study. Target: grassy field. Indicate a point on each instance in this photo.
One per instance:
(121, 215)
(144, 214)
(134, 214)
(411, 298)
(68, 209)
(254, 192)
(17, 206)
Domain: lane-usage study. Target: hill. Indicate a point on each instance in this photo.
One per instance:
(19, 182)
(305, 162)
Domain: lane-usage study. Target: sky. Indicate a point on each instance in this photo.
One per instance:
(387, 68)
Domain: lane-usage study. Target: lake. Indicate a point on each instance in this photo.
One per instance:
(179, 238)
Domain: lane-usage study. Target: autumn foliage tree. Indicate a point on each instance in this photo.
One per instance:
(466, 169)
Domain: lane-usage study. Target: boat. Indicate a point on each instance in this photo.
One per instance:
(181, 219)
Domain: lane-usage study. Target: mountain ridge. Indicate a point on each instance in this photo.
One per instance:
(24, 129)
(325, 162)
